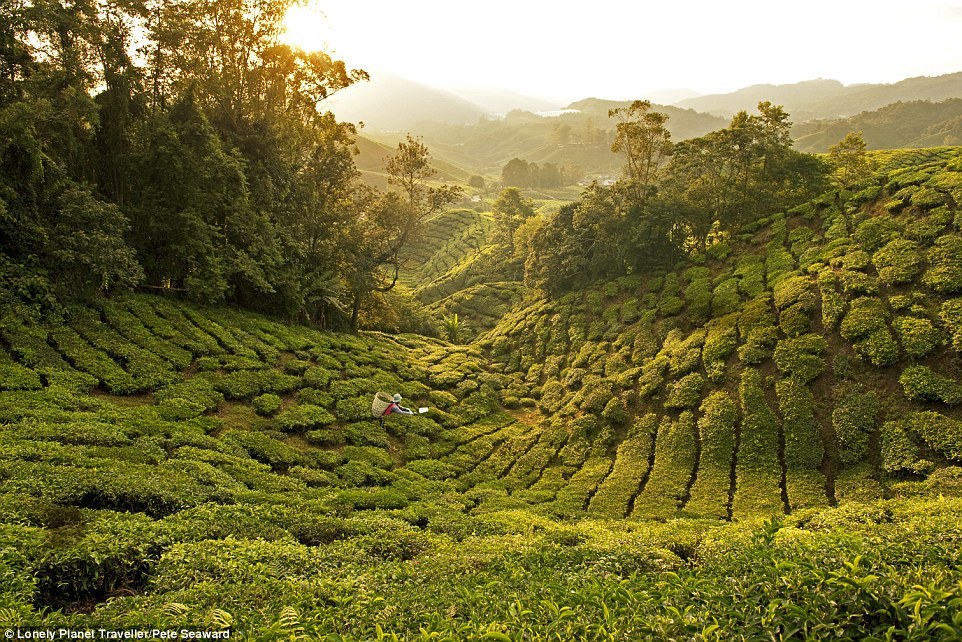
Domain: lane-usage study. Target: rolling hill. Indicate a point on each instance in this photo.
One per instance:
(770, 424)
(372, 159)
(919, 124)
(828, 98)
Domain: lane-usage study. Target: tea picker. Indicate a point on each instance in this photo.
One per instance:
(384, 405)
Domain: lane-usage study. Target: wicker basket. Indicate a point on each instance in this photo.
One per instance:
(381, 402)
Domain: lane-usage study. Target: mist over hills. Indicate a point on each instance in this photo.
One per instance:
(478, 130)
(392, 103)
(824, 98)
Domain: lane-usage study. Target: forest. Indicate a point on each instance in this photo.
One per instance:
(715, 397)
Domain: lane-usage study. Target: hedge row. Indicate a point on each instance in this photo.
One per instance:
(757, 473)
(672, 470)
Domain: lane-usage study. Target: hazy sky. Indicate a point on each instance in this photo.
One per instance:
(622, 49)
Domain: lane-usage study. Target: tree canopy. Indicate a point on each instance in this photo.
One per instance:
(182, 146)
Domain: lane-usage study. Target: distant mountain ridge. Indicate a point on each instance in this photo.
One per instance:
(823, 98)
(902, 124)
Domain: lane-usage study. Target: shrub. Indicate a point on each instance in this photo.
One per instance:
(751, 273)
(864, 325)
(801, 357)
(757, 472)
(361, 473)
(927, 229)
(921, 384)
(686, 392)
(899, 453)
(354, 409)
(247, 384)
(179, 409)
(944, 274)
(94, 361)
(943, 434)
(267, 404)
(615, 412)
(951, 315)
(898, 262)
(367, 433)
(875, 232)
(716, 429)
(199, 389)
(793, 290)
(854, 419)
(725, 298)
(794, 320)
(779, 264)
(315, 397)
(796, 404)
(927, 198)
(720, 342)
(757, 346)
(917, 336)
(304, 417)
(699, 297)
(377, 457)
(833, 305)
(879, 348)
(14, 376)
(266, 449)
(855, 260)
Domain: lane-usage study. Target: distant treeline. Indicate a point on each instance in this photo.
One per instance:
(673, 198)
(519, 173)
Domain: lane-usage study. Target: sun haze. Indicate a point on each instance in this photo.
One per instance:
(619, 49)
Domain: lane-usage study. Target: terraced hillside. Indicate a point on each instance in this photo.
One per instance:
(777, 420)
(166, 467)
(795, 366)
(449, 270)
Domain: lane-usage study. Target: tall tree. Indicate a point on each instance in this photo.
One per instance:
(510, 210)
(386, 223)
(849, 161)
(643, 139)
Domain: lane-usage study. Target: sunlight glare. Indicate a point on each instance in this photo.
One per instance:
(306, 27)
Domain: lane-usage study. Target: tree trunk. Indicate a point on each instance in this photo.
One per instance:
(355, 309)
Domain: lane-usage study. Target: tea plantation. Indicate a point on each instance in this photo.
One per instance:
(761, 444)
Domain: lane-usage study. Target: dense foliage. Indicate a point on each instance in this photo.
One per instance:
(182, 147)
(711, 186)
(255, 492)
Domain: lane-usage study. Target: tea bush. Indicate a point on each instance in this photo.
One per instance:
(801, 357)
(922, 384)
(672, 470)
(944, 274)
(716, 429)
(918, 337)
(686, 392)
(854, 418)
(899, 452)
(898, 262)
(942, 433)
(757, 471)
(267, 405)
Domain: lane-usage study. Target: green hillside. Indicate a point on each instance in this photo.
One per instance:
(777, 419)
(810, 356)
(581, 138)
(372, 159)
(918, 124)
